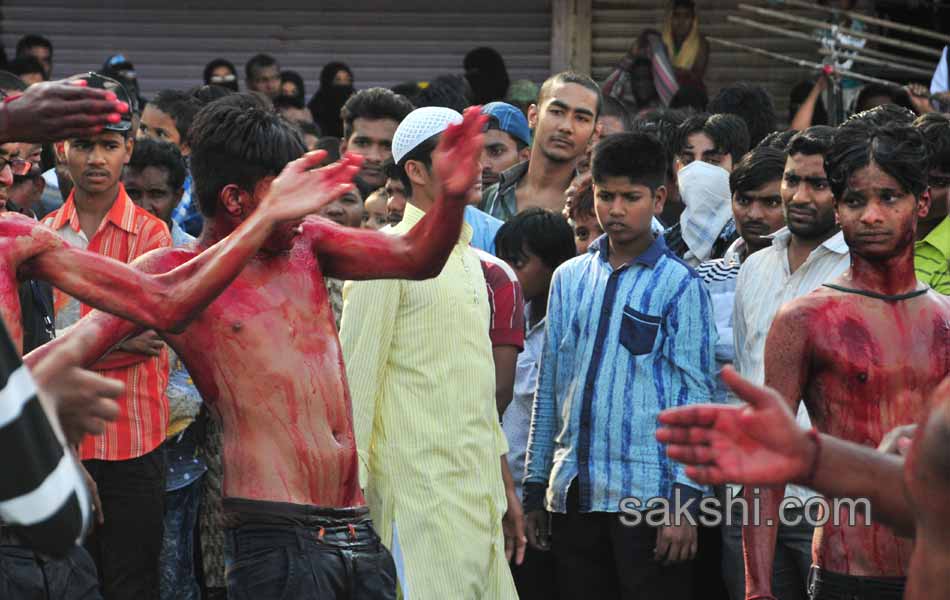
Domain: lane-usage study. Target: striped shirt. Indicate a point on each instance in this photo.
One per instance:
(419, 364)
(619, 347)
(125, 233)
(932, 258)
(720, 275)
(42, 496)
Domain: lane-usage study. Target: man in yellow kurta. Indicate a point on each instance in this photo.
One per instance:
(419, 362)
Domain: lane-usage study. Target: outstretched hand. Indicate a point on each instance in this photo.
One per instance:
(302, 190)
(54, 111)
(455, 160)
(756, 444)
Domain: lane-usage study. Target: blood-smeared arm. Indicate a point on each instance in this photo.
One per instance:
(168, 301)
(785, 370)
(762, 444)
(347, 253)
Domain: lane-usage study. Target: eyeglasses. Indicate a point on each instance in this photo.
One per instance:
(19, 166)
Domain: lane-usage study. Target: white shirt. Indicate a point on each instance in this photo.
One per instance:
(939, 82)
(766, 283)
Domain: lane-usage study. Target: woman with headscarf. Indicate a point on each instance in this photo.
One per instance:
(291, 84)
(687, 48)
(486, 74)
(336, 85)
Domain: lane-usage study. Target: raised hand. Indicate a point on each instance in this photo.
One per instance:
(302, 190)
(55, 111)
(455, 160)
(757, 444)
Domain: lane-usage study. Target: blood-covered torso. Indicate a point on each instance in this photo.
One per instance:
(873, 365)
(266, 357)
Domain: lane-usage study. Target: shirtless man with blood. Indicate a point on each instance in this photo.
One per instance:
(266, 358)
(864, 352)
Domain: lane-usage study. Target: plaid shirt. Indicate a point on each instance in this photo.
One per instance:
(125, 233)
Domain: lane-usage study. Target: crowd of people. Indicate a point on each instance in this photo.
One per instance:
(462, 338)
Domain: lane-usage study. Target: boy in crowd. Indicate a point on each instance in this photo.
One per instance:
(374, 210)
(626, 311)
(507, 141)
(262, 75)
(370, 118)
(581, 214)
(534, 243)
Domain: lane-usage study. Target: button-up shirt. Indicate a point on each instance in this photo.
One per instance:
(419, 363)
(765, 283)
(620, 345)
(720, 275)
(125, 233)
(932, 258)
(517, 418)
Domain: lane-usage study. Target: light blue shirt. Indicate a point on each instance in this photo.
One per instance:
(620, 346)
(484, 228)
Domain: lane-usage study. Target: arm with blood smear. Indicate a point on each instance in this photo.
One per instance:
(786, 370)
(347, 253)
(170, 300)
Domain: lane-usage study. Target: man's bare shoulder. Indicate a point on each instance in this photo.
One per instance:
(802, 310)
(162, 260)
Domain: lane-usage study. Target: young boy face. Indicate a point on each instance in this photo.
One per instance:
(159, 126)
(625, 209)
(586, 230)
(374, 211)
(533, 275)
(95, 163)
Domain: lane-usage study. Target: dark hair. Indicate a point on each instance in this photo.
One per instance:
(884, 114)
(180, 106)
(758, 167)
(329, 71)
(295, 78)
(583, 204)
(310, 128)
(283, 101)
(409, 89)
(206, 94)
(898, 149)
(778, 139)
(935, 128)
(374, 103)
(32, 40)
(897, 95)
(728, 133)
(752, 103)
(493, 124)
(421, 153)
(546, 234)
(565, 77)
(816, 140)
(449, 91)
(639, 157)
(690, 96)
(662, 123)
(214, 64)
(22, 65)
(487, 75)
(235, 140)
(331, 145)
(615, 108)
(10, 82)
(256, 62)
(162, 155)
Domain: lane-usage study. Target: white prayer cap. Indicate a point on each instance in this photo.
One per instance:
(420, 125)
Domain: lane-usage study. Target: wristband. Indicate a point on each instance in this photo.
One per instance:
(813, 468)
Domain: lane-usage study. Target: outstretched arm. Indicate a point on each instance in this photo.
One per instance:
(347, 253)
(168, 301)
(761, 444)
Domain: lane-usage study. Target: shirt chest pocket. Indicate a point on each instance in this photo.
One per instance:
(638, 331)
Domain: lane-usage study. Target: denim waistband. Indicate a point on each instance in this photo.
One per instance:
(254, 517)
(823, 583)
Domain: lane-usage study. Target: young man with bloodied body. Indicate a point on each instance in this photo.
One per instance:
(864, 352)
(296, 516)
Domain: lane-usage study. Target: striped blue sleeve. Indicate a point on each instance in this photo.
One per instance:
(692, 352)
(540, 453)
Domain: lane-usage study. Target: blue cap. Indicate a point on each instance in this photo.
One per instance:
(510, 120)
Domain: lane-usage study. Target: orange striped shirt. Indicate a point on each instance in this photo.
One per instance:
(126, 233)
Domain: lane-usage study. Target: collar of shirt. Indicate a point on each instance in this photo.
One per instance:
(733, 254)
(413, 215)
(510, 178)
(939, 238)
(782, 238)
(179, 236)
(122, 214)
(646, 258)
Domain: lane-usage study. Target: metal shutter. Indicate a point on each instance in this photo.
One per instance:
(384, 43)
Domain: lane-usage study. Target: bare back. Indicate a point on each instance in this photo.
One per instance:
(266, 357)
(872, 365)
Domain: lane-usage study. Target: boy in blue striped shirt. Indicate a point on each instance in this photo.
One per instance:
(629, 333)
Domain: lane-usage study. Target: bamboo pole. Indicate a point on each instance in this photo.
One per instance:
(875, 61)
(834, 28)
(872, 20)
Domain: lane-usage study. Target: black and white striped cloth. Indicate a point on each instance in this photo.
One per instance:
(42, 495)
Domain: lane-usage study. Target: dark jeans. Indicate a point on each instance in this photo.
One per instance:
(792, 557)
(27, 576)
(534, 578)
(127, 546)
(277, 550)
(824, 585)
(599, 557)
(179, 580)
